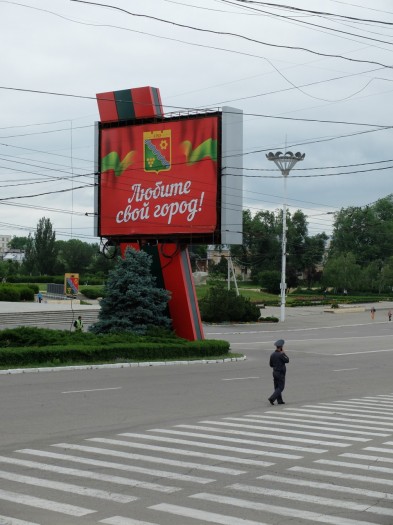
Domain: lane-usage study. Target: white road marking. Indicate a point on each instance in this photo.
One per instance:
(119, 520)
(202, 515)
(353, 408)
(369, 468)
(345, 369)
(379, 449)
(291, 431)
(364, 352)
(215, 457)
(291, 420)
(7, 520)
(152, 459)
(240, 378)
(328, 486)
(274, 436)
(92, 390)
(314, 500)
(67, 487)
(375, 459)
(342, 475)
(366, 404)
(128, 468)
(224, 439)
(280, 510)
(84, 473)
(343, 410)
(40, 503)
(309, 413)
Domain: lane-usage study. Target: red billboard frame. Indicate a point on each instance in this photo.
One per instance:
(160, 178)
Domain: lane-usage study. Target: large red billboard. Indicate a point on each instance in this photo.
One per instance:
(160, 178)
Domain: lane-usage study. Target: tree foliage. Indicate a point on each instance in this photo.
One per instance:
(362, 241)
(132, 302)
(262, 245)
(75, 255)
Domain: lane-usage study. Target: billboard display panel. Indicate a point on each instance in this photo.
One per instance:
(160, 179)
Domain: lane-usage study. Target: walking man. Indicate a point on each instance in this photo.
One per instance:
(278, 360)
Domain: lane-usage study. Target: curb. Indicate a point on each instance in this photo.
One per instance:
(142, 364)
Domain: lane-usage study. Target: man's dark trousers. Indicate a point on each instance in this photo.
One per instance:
(279, 385)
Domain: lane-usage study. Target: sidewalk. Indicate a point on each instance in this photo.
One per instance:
(47, 306)
(313, 316)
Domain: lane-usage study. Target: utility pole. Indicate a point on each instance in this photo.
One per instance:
(285, 162)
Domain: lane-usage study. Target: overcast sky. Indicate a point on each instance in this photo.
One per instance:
(318, 83)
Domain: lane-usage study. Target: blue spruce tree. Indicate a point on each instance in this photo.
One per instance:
(132, 302)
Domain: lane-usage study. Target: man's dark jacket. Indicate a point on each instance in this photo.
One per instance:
(277, 362)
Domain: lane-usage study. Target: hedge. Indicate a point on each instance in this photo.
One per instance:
(22, 356)
(17, 292)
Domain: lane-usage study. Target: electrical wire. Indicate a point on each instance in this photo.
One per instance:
(236, 35)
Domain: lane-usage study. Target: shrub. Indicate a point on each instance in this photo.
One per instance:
(17, 292)
(270, 281)
(9, 293)
(222, 305)
(92, 292)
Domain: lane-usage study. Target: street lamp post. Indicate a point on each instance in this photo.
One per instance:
(285, 162)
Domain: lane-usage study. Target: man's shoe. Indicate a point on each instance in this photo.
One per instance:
(271, 401)
(280, 402)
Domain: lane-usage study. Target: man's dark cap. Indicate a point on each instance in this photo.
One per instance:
(279, 343)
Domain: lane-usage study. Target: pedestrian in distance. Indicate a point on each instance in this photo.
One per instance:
(278, 361)
(372, 312)
(39, 297)
(78, 324)
(390, 315)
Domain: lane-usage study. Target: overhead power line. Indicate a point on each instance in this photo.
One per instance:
(236, 35)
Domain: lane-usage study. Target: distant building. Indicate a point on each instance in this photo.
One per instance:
(4, 240)
(14, 255)
(214, 255)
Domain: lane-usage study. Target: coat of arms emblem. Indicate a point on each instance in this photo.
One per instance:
(157, 150)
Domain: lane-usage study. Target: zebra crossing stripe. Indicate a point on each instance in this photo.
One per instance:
(152, 459)
(354, 412)
(379, 449)
(282, 430)
(314, 500)
(300, 422)
(273, 436)
(353, 419)
(366, 457)
(127, 468)
(81, 473)
(279, 510)
(32, 501)
(203, 515)
(67, 487)
(119, 520)
(354, 407)
(181, 452)
(328, 486)
(369, 468)
(343, 475)
(7, 520)
(309, 418)
(379, 396)
(295, 423)
(221, 439)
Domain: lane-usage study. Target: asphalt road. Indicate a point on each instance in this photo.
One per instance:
(200, 444)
